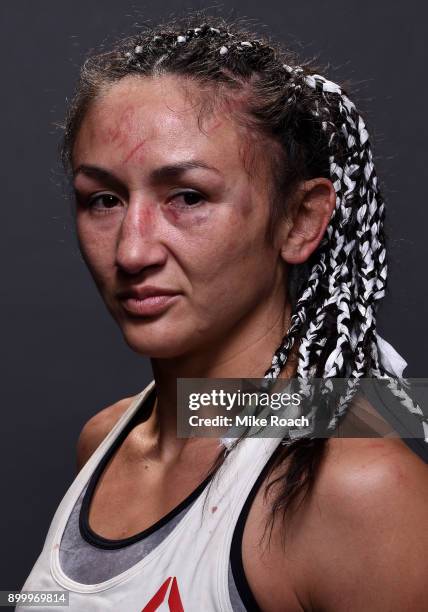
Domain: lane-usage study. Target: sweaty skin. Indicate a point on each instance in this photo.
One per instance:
(139, 152)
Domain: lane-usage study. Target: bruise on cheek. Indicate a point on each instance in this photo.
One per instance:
(186, 218)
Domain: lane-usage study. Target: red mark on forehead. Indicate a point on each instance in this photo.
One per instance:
(120, 126)
(121, 122)
(112, 134)
(133, 151)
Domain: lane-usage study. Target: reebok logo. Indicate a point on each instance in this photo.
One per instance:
(166, 599)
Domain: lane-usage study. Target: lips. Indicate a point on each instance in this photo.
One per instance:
(147, 301)
(145, 292)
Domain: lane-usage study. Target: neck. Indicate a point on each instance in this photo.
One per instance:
(246, 353)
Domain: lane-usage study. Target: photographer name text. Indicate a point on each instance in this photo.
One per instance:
(248, 421)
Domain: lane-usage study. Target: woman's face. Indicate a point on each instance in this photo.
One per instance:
(162, 203)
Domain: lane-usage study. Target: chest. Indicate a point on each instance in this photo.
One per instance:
(133, 493)
(131, 497)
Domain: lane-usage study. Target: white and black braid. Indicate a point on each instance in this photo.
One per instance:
(357, 265)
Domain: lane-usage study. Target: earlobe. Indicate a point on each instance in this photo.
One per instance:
(310, 212)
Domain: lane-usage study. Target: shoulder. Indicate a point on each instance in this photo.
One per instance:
(369, 511)
(367, 471)
(359, 541)
(97, 427)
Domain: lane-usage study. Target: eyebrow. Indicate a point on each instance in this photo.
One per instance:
(158, 175)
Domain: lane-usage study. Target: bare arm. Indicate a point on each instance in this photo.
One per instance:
(370, 530)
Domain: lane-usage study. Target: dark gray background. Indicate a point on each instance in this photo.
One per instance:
(63, 357)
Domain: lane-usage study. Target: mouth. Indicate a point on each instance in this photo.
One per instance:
(149, 306)
(147, 301)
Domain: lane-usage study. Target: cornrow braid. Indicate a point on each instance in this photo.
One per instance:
(335, 294)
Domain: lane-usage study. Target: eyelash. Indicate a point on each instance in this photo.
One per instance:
(91, 201)
(199, 195)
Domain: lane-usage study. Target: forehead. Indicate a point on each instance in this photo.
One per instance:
(157, 116)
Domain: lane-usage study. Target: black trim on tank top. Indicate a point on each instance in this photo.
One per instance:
(142, 414)
(236, 562)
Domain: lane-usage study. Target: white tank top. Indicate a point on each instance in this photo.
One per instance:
(189, 570)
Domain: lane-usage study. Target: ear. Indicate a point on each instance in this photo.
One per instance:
(309, 213)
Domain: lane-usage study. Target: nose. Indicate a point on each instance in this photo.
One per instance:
(139, 242)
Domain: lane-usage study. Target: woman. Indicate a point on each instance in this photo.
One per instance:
(228, 209)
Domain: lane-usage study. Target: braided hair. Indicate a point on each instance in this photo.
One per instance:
(335, 293)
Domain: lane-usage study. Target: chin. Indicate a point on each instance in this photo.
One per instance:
(157, 343)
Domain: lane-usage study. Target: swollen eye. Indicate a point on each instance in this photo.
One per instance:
(191, 198)
(187, 199)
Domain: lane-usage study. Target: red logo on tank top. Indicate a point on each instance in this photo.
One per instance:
(167, 598)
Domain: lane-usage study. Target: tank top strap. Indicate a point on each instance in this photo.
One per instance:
(225, 499)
